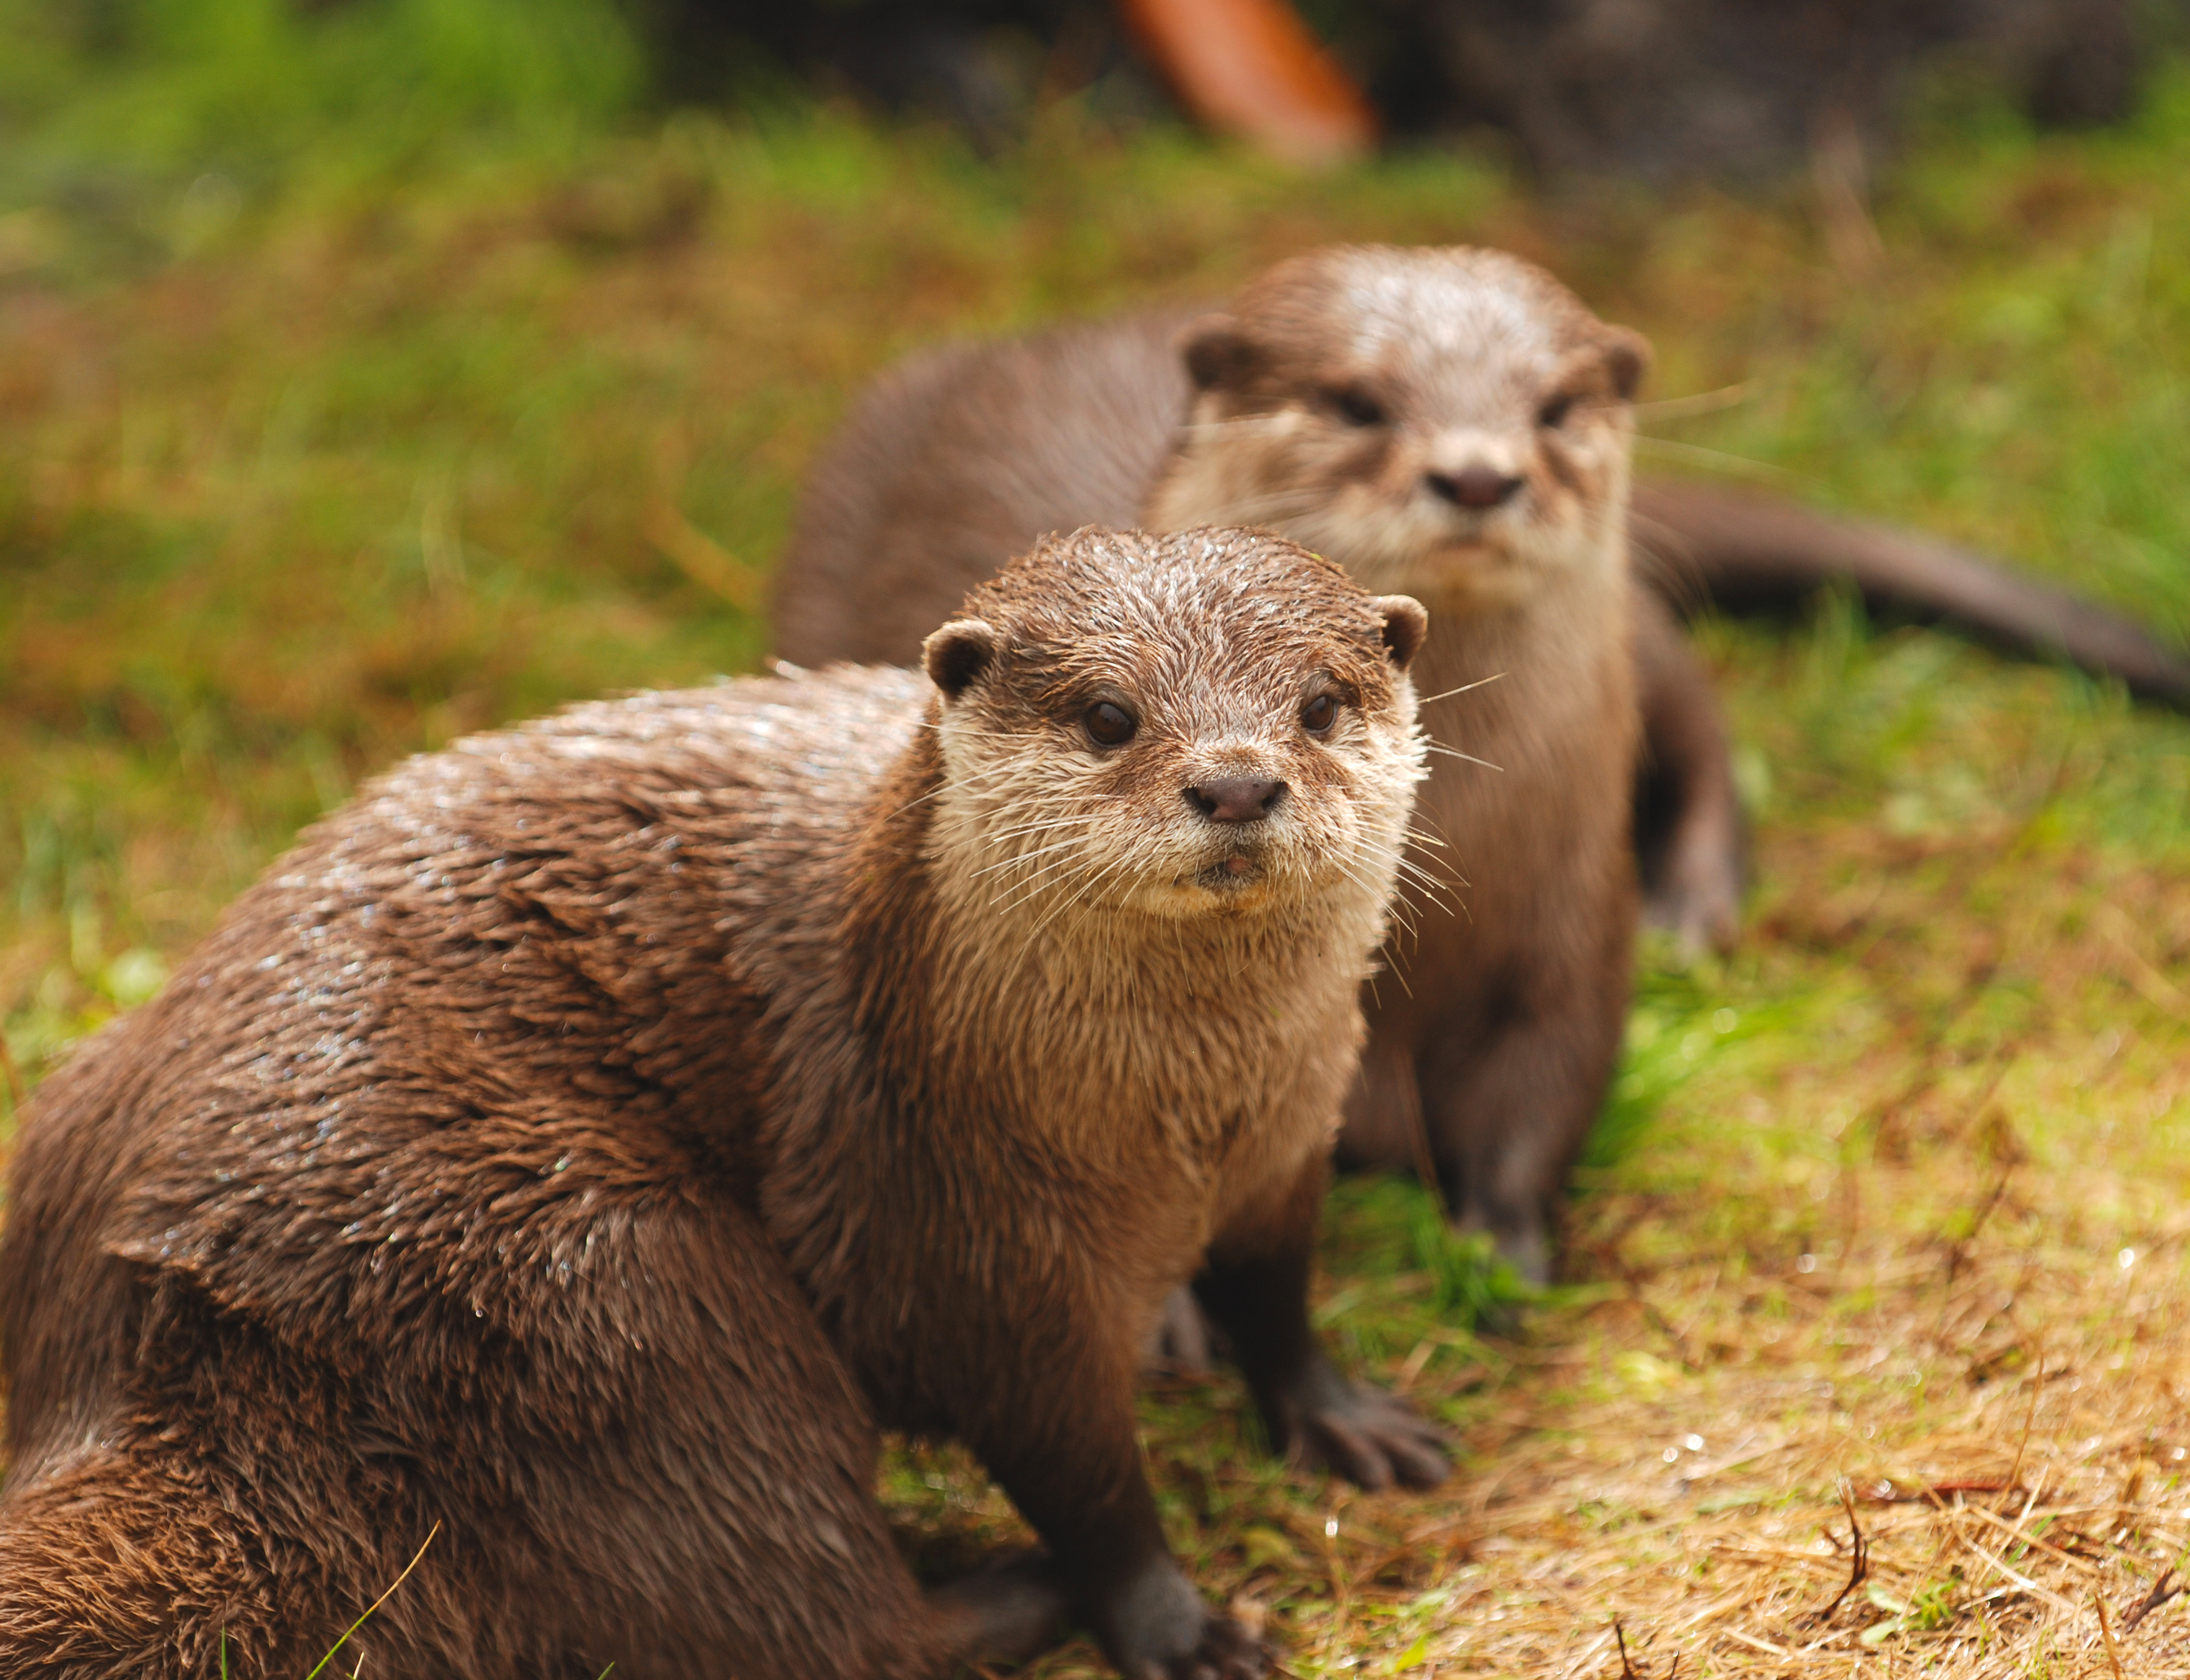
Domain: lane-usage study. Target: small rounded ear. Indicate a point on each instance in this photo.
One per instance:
(1406, 625)
(1215, 352)
(1627, 359)
(958, 653)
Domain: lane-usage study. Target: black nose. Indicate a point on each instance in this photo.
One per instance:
(1475, 486)
(1236, 800)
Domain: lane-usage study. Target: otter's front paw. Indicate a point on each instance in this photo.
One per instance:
(1373, 1439)
(1158, 1629)
(1701, 910)
(1225, 1651)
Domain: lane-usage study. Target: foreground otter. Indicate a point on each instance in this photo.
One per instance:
(1483, 466)
(585, 1140)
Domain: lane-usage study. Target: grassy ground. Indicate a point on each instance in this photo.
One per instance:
(304, 469)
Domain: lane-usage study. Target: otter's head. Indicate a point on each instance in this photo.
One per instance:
(1451, 422)
(1214, 724)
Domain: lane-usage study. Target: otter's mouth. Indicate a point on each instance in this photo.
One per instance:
(1230, 874)
(1473, 548)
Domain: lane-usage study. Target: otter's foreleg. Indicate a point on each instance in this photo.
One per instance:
(1689, 835)
(1505, 1123)
(1056, 1427)
(1254, 1284)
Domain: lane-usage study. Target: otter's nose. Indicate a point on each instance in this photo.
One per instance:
(1477, 485)
(1236, 799)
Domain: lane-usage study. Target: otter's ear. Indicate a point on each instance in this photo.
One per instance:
(957, 653)
(1215, 352)
(1627, 359)
(1406, 625)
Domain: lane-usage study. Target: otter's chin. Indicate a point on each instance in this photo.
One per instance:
(1238, 885)
(1474, 569)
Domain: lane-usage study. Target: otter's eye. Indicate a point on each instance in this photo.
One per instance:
(1357, 406)
(1108, 725)
(1554, 413)
(1318, 714)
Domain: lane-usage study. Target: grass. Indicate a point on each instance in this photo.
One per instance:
(309, 459)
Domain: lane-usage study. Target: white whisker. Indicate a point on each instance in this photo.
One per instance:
(1739, 465)
(1454, 752)
(1702, 402)
(1464, 687)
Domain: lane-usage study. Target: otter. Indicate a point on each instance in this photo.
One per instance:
(589, 1138)
(1398, 410)
(1481, 466)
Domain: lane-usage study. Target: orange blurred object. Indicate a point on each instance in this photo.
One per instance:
(1251, 68)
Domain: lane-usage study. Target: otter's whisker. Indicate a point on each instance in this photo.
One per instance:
(1020, 859)
(1454, 752)
(1018, 893)
(1047, 825)
(1702, 402)
(1464, 687)
(1261, 509)
(958, 784)
(1409, 874)
(1739, 465)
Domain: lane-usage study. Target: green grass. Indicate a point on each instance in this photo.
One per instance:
(333, 424)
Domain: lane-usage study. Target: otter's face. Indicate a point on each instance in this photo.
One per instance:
(1453, 423)
(1210, 724)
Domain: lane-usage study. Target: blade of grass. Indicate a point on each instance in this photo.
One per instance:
(369, 1608)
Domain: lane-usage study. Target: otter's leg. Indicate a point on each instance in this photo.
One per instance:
(1056, 1427)
(1506, 1123)
(1254, 1284)
(1689, 838)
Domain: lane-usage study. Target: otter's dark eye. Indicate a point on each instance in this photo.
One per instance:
(1554, 413)
(1108, 725)
(1318, 714)
(1357, 406)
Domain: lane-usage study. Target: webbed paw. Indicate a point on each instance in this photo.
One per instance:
(1225, 1651)
(1372, 1439)
(1158, 1628)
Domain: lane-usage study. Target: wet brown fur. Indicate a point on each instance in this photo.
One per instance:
(589, 1137)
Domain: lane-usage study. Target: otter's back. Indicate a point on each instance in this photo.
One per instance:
(956, 461)
(516, 993)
